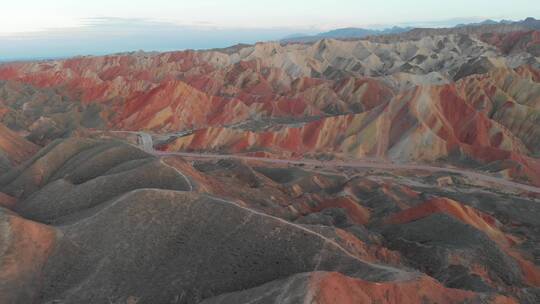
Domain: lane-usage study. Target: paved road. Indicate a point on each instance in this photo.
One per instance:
(146, 142)
(363, 164)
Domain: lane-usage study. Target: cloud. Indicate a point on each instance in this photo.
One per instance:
(103, 35)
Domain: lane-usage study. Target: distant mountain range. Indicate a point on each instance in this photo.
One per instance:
(345, 33)
(356, 33)
(485, 22)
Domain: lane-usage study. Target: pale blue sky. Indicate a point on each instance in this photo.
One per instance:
(25, 15)
(53, 24)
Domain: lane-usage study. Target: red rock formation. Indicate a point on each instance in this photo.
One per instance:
(427, 124)
(469, 215)
(27, 247)
(16, 148)
(7, 201)
(336, 288)
(481, 221)
(368, 252)
(514, 41)
(278, 98)
(357, 213)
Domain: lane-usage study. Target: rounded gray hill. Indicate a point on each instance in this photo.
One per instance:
(162, 246)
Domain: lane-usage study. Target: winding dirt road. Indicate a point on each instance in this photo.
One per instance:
(146, 143)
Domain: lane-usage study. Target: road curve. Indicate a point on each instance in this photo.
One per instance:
(146, 142)
(363, 164)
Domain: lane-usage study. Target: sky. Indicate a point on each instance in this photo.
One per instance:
(58, 28)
